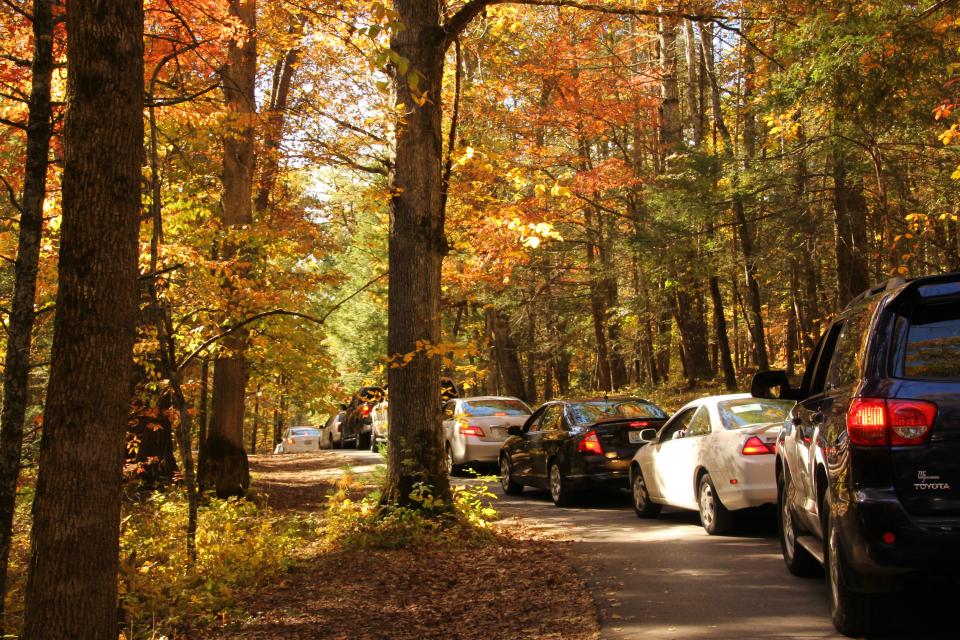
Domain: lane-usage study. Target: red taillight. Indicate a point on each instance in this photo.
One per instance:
(291, 441)
(637, 425)
(875, 422)
(590, 444)
(910, 421)
(365, 410)
(471, 430)
(754, 446)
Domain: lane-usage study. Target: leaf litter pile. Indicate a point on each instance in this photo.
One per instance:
(517, 585)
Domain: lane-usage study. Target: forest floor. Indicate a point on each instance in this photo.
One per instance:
(519, 584)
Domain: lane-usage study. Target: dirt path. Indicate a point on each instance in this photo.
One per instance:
(518, 586)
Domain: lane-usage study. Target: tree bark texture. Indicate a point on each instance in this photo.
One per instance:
(417, 247)
(505, 351)
(16, 373)
(72, 584)
(225, 462)
(850, 210)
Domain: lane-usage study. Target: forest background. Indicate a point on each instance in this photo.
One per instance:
(637, 197)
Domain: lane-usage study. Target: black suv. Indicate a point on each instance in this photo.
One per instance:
(355, 430)
(868, 463)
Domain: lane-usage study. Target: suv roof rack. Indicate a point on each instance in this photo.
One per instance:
(893, 283)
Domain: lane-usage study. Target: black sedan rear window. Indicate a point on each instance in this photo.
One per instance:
(587, 412)
(932, 348)
(484, 408)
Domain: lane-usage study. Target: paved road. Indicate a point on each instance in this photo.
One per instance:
(666, 579)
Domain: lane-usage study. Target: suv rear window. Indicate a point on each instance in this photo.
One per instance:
(933, 342)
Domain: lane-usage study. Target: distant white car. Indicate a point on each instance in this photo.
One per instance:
(474, 428)
(330, 433)
(715, 455)
(299, 440)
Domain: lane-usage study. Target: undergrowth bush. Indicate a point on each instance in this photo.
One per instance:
(365, 523)
(240, 546)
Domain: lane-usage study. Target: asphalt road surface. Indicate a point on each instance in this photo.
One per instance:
(666, 579)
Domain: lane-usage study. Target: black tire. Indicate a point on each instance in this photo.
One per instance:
(510, 486)
(363, 440)
(854, 614)
(560, 491)
(374, 444)
(714, 517)
(798, 560)
(642, 505)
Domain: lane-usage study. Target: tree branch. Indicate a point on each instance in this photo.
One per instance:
(462, 18)
(275, 312)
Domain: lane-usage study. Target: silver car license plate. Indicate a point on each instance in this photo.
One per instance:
(311, 442)
(635, 437)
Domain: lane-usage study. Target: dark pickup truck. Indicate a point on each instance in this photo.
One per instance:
(868, 463)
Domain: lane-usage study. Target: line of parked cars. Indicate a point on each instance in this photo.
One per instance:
(862, 459)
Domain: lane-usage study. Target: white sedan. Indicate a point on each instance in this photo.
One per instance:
(298, 440)
(715, 455)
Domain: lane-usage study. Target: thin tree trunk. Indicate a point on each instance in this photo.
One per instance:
(16, 373)
(72, 584)
(505, 350)
(256, 422)
(720, 328)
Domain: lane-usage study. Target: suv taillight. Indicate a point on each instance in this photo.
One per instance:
(875, 422)
(365, 410)
(590, 444)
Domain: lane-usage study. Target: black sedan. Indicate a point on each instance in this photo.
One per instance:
(571, 445)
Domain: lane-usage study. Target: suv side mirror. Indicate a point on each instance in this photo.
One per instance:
(765, 382)
(648, 435)
(514, 430)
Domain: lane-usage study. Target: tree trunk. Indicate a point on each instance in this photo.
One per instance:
(16, 374)
(598, 310)
(693, 82)
(72, 585)
(226, 469)
(720, 328)
(417, 246)
(202, 416)
(688, 312)
(256, 422)
(505, 350)
(850, 209)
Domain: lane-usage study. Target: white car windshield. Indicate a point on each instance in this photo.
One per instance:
(748, 412)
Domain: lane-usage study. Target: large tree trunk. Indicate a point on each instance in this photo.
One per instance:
(688, 312)
(72, 584)
(16, 373)
(505, 351)
(225, 462)
(417, 247)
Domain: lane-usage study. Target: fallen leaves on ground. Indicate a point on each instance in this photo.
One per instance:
(519, 585)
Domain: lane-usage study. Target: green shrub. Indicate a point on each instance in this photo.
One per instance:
(239, 547)
(365, 523)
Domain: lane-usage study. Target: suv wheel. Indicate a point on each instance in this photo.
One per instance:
(559, 487)
(798, 560)
(363, 440)
(641, 499)
(854, 614)
(715, 517)
(510, 486)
